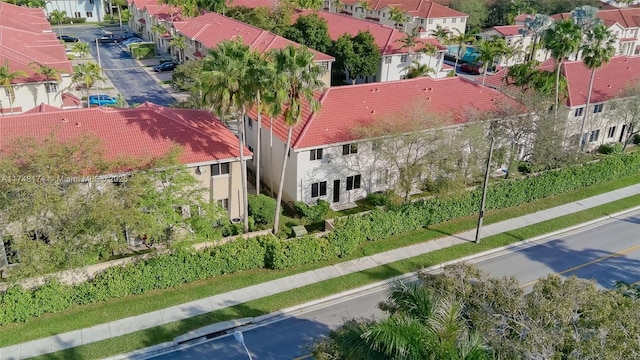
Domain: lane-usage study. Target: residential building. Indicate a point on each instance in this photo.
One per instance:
(209, 150)
(520, 42)
(328, 160)
(396, 59)
(26, 43)
(91, 10)
(420, 15)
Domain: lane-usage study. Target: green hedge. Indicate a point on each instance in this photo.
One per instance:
(169, 270)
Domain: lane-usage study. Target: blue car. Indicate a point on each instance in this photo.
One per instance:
(102, 100)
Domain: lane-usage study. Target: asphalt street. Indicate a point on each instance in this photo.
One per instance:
(604, 252)
(129, 78)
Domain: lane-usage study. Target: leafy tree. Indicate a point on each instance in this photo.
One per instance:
(85, 76)
(310, 4)
(477, 10)
(586, 17)
(297, 81)
(562, 39)
(187, 76)
(277, 20)
(58, 17)
(310, 30)
(81, 48)
(420, 325)
(597, 49)
(219, 6)
(228, 91)
(357, 56)
(7, 78)
(51, 75)
(535, 27)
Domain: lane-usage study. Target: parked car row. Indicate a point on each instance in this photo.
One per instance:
(110, 37)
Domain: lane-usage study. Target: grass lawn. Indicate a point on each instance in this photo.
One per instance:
(85, 316)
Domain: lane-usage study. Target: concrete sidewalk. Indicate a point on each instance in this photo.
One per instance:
(195, 308)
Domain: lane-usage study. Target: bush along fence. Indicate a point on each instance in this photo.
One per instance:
(168, 270)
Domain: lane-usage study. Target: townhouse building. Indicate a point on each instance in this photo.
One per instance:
(328, 160)
(396, 59)
(26, 44)
(91, 10)
(210, 151)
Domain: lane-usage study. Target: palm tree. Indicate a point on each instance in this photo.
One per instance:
(462, 40)
(81, 48)
(297, 80)
(50, 74)
(397, 15)
(338, 5)
(179, 43)
(366, 7)
(85, 76)
(159, 30)
(489, 50)
(119, 4)
(7, 77)
(598, 48)
(228, 92)
(417, 70)
(561, 40)
(58, 17)
(442, 34)
(535, 26)
(409, 41)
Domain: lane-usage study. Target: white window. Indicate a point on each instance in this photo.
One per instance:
(611, 132)
(430, 21)
(453, 21)
(51, 87)
(598, 108)
(387, 59)
(404, 58)
(219, 169)
(578, 111)
(325, 65)
(315, 154)
(444, 21)
(462, 20)
(594, 135)
(223, 203)
(89, 14)
(319, 189)
(353, 182)
(349, 149)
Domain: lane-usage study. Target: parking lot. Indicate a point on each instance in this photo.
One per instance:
(134, 80)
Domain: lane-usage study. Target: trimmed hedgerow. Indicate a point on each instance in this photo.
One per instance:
(169, 270)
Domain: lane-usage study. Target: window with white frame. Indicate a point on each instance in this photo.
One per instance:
(594, 135)
(315, 154)
(404, 58)
(353, 182)
(219, 169)
(387, 59)
(223, 203)
(325, 65)
(430, 21)
(444, 21)
(611, 132)
(598, 108)
(453, 21)
(89, 14)
(462, 20)
(51, 87)
(319, 189)
(349, 149)
(77, 14)
(578, 111)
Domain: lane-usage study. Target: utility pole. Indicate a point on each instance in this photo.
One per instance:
(484, 191)
(99, 63)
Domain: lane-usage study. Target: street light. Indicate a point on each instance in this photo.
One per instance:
(239, 338)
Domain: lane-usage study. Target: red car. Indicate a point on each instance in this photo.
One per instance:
(470, 69)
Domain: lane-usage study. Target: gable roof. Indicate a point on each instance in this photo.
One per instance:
(387, 38)
(508, 30)
(415, 8)
(609, 82)
(344, 107)
(627, 17)
(26, 38)
(210, 29)
(146, 131)
(252, 3)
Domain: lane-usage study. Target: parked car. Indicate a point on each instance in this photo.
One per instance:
(165, 66)
(67, 38)
(131, 40)
(107, 39)
(470, 69)
(101, 100)
(128, 35)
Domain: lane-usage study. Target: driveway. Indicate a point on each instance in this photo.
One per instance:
(133, 82)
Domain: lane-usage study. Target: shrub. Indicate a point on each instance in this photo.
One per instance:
(608, 149)
(262, 208)
(378, 199)
(524, 167)
(314, 212)
(636, 139)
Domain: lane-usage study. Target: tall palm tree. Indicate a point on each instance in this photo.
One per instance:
(418, 70)
(462, 40)
(489, 50)
(51, 75)
(535, 26)
(85, 76)
(58, 17)
(228, 93)
(297, 81)
(179, 43)
(598, 48)
(397, 15)
(158, 30)
(563, 39)
(7, 78)
(409, 41)
(442, 34)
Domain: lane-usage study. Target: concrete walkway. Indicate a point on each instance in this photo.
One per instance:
(195, 308)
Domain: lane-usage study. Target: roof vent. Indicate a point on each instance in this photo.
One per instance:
(376, 89)
(429, 98)
(78, 124)
(609, 86)
(628, 67)
(64, 120)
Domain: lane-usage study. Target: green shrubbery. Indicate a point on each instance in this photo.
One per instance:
(636, 139)
(314, 212)
(169, 270)
(608, 149)
(262, 209)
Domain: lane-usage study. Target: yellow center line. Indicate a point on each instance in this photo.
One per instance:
(620, 253)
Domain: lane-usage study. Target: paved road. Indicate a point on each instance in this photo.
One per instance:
(135, 84)
(605, 252)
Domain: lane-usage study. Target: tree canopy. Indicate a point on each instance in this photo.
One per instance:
(357, 56)
(310, 30)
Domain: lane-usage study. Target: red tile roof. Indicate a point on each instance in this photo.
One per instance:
(42, 108)
(509, 30)
(252, 3)
(212, 28)
(387, 38)
(344, 107)
(26, 38)
(143, 132)
(627, 18)
(610, 80)
(523, 17)
(416, 8)
(140, 4)
(68, 99)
